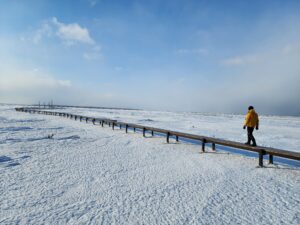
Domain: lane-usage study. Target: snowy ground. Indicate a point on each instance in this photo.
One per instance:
(92, 175)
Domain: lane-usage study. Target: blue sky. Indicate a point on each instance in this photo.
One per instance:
(207, 56)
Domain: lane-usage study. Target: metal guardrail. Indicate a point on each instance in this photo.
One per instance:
(205, 140)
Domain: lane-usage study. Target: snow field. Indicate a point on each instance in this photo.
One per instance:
(92, 175)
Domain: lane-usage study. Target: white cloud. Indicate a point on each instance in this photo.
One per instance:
(72, 33)
(44, 30)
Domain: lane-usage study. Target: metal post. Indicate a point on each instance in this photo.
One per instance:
(203, 145)
(94, 121)
(270, 159)
(213, 146)
(144, 132)
(113, 125)
(168, 137)
(126, 128)
(120, 126)
(152, 133)
(102, 122)
(86, 120)
(177, 138)
(134, 129)
(261, 158)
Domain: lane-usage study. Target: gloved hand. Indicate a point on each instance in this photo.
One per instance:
(256, 128)
(244, 127)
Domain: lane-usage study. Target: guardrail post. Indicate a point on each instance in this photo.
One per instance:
(86, 120)
(113, 125)
(261, 157)
(94, 121)
(126, 128)
(203, 145)
(168, 137)
(213, 146)
(177, 139)
(270, 159)
(152, 133)
(134, 129)
(144, 132)
(120, 126)
(102, 122)
(80, 118)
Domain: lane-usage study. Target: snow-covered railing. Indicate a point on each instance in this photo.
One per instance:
(204, 140)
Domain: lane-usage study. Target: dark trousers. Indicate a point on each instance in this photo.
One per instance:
(250, 135)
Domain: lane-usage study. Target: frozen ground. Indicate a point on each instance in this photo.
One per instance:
(92, 175)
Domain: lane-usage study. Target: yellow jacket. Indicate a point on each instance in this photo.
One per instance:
(251, 119)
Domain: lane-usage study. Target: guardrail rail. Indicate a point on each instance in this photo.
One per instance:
(168, 133)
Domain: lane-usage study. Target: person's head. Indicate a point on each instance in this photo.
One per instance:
(250, 107)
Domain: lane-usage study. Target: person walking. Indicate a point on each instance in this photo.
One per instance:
(251, 122)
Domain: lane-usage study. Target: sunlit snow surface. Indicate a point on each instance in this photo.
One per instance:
(92, 175)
